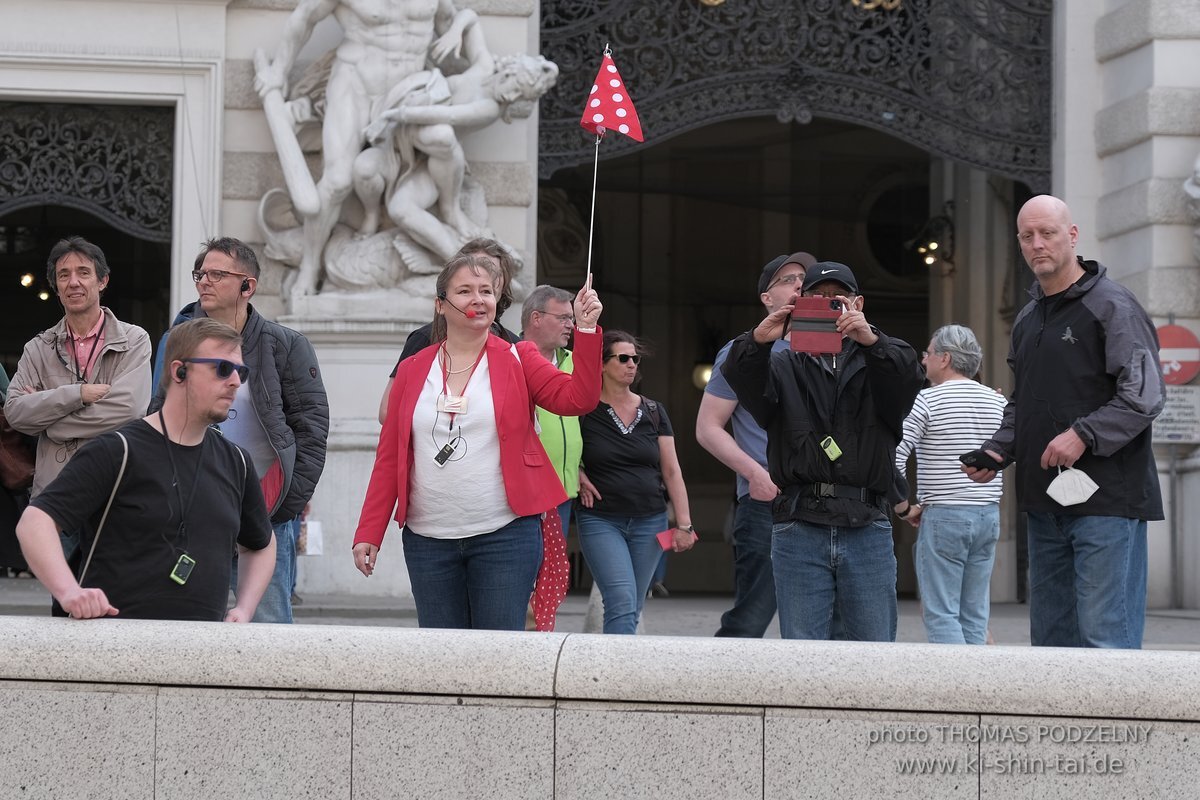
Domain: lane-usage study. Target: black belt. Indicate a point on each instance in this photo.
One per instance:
(839, 490)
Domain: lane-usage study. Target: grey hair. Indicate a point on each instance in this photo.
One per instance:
(959, 342)
(539, 297)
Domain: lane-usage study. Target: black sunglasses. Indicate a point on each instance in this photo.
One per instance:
(225, 368)
(625, 358)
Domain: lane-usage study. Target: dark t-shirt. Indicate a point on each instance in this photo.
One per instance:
(141, 541)
(421, 338)
(625, 467)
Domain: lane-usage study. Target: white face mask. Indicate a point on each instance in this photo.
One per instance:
(1071, 487)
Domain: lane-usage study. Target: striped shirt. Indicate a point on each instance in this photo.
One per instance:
(946, 421)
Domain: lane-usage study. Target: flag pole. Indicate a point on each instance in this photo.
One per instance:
(587, 280)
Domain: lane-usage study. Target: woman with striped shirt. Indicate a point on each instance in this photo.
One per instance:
(958, 520)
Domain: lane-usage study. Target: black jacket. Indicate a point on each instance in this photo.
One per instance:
(1085, 359)
(799, 400)
(289, 396)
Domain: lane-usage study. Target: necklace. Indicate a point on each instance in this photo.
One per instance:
(447, 361)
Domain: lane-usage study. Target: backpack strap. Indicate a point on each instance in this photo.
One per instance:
(108, 506)
(652, 413)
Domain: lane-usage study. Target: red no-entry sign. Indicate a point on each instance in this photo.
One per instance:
(1178, 353)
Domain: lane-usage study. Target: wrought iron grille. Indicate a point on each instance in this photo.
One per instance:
(965, 79)
(112, 161)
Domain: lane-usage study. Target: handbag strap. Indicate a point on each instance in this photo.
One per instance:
(111, 497)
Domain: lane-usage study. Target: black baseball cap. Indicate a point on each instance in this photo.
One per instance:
(829, 271)
(802, 258)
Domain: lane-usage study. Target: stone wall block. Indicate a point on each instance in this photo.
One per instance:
(80, 740)
(1159, 111)
(267, 745)
(1140, 22)
(650, 751)
(445, 748)
(1156, 201)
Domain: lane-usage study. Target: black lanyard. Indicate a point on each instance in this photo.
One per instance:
(181, 535)
(80, 370)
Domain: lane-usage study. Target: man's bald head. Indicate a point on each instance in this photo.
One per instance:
(1047, 237)
(1046, 205)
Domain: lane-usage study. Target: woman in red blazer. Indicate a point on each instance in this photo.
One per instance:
(459, 463)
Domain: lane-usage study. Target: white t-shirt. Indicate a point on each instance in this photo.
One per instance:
(243, 427)
(465, 497)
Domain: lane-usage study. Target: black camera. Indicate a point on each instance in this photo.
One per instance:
(835, 304)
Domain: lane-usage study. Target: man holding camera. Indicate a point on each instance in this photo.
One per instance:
(745, 452)
(833, 421)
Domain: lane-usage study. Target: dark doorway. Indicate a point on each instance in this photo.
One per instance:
(683, 228)
(138, 288)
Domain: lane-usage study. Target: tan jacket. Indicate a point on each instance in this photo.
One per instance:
(45, 400)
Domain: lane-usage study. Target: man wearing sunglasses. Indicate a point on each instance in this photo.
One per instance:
(833, 422)
(162, 501)
(745, 452)
(280, 416)
(87, 375)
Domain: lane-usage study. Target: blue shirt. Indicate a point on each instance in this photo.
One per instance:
(751, 438)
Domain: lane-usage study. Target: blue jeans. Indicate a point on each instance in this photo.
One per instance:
(753, 580)
(820, 567)
(622, 553)
(276, 603)
(482, 582)
(955, 552)
(1087, 581)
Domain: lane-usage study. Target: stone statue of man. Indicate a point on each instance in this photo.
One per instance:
(384, 42)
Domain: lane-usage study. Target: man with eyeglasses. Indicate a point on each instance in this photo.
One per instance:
(547, 321)
(280, 416)
(833, 422)
(745, 452)
(87, 375)
(163, 501)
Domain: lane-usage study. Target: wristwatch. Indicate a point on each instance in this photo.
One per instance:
(688, 528)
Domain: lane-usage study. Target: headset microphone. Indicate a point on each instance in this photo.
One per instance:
(469, 313)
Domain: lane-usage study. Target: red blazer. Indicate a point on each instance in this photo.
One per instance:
(518, 385)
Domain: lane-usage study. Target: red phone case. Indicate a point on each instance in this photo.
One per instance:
(813, 328)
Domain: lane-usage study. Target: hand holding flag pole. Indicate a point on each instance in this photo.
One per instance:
(608, 107)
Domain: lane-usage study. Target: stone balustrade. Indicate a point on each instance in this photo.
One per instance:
(127, 709)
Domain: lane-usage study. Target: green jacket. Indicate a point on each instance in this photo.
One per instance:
(561, 438)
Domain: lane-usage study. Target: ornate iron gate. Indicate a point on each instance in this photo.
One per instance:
(112, 161)
(965, 79)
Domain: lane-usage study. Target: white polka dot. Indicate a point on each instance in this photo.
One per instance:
(623, 129)
(622, 112)
(614, 83)
(597, 118)
(612, 68)
(618, 97)
(595, 88)
(595, 102)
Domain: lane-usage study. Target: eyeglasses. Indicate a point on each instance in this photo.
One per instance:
(215, 275)
(625, 358)
(225, 368)
(786, 280)
(565, 319)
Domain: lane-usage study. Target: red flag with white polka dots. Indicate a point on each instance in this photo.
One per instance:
(608, 106)
(554, 575)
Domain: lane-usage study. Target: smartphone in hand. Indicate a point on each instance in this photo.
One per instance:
(979, 459)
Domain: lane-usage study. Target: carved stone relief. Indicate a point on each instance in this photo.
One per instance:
(395, 198)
